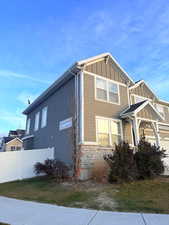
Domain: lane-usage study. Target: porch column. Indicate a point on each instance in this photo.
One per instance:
(136, 130)
(156, 132)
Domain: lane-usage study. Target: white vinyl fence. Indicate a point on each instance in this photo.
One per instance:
(18, 165)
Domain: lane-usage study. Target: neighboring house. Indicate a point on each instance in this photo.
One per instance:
(11, 144)
(13, 141)
(16, 133)
(97, 102)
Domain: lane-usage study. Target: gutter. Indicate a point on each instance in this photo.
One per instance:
(48, 90)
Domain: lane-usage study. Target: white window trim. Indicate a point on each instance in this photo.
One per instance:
(37, 119)
(28, 127)
(107, 90)
(109, 119)
(42, 125)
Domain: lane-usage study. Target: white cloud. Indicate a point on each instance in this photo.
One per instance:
(24, 96)
(11, 74)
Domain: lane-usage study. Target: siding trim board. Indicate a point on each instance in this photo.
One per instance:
(101, 77)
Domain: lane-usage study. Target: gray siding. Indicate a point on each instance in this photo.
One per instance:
(60, 107)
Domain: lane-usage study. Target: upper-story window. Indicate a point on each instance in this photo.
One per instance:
(108, 132)
(101, 89)
(107, 91)
(113, 93)
(28, 125)
(44, 117)
(36, 127)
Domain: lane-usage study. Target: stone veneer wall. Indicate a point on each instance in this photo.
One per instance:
(89, 155)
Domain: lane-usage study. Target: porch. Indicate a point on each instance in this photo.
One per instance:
(144, 120)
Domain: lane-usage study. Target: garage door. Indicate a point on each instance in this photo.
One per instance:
(164, 144)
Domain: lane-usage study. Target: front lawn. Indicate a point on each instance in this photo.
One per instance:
(150, 196)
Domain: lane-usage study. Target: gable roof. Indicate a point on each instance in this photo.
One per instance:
(135, 108)
(7, 139)
(140, 82)
(73, 70)
(104, 55)
(13, 140)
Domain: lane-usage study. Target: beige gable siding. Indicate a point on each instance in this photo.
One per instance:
(93, 108)
(147, 113)
(109, 70)
(15, 143)
(166, 114)
(143, 91)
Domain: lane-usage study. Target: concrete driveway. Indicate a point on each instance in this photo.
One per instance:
(19, 212)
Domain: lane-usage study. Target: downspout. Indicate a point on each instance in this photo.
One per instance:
(81, 107)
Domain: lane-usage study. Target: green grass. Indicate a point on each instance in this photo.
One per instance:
(150, 196)
(144, 196)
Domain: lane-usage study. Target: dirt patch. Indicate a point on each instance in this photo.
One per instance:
(85, 185)
(105, 201)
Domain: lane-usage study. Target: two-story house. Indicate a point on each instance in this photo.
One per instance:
(92, 106)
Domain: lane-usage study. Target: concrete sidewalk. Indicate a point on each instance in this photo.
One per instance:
(19, 212)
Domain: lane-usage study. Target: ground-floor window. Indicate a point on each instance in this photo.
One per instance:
(108, 131)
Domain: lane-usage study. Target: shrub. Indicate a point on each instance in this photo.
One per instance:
(100, 171)
(149, 160)
(53, 168)
(122, 164)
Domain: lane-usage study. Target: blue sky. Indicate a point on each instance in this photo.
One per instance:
(40, 39)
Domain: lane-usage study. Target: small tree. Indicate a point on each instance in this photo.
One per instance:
(149, 160)
(122, 164)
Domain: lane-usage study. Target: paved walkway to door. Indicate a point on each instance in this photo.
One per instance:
(19, 212)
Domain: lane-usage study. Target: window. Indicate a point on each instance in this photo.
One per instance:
(107, 91)
(44, 117)
(28, 126)
(12, 148)
(36, 127)
(160, 109)
(101, 89)
(108, 132)
(113, 93)
(115, 132)
(103, 132)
